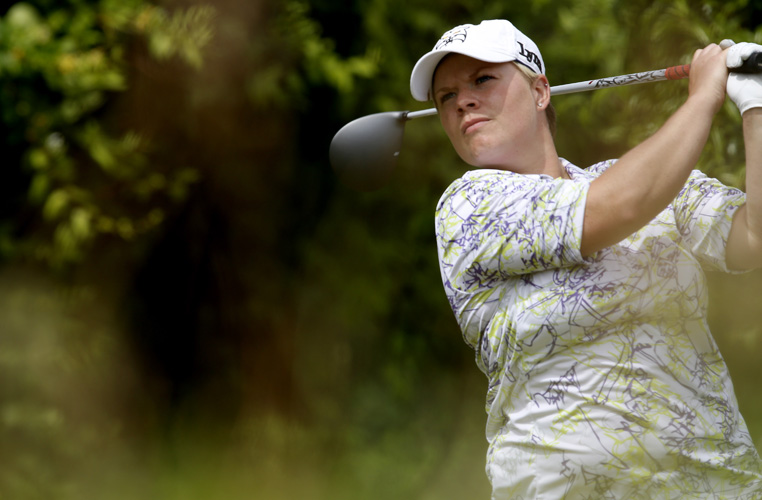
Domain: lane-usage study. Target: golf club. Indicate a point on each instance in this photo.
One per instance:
(364, 152)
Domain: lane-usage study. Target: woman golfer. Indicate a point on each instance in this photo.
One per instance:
(582, 291)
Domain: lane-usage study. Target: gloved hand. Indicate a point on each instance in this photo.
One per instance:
(744, 90)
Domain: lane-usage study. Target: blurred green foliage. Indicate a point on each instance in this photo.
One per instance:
(59, 65)
(194, 307)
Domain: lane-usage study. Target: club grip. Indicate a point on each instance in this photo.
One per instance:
(677, 72)
(752, 64)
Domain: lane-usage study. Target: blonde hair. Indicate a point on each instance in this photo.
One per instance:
(550, 111)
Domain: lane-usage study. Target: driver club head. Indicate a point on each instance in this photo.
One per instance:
(364, 152)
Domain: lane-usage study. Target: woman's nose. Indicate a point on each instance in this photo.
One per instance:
(466, 99)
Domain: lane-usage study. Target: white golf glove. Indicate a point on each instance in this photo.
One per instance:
(745, 90)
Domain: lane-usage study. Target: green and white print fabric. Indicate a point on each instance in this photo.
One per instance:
(604, 380)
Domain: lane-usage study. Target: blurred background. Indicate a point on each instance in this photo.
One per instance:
(192, 306)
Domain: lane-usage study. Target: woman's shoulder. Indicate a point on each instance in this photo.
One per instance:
(476, 185)
(486, 179)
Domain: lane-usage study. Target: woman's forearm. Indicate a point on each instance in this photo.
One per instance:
(744, 248)
(645, 180)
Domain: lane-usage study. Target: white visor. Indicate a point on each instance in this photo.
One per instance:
(494, 41)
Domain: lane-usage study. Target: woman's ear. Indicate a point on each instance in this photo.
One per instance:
(541, 90)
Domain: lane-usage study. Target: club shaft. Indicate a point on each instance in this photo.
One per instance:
(753, 64)
(411, 115)
(671, 73)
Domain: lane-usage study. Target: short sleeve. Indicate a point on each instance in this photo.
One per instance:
(704, 211)
(492, 225)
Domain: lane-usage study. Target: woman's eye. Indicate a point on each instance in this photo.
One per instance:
(483, 79)
(446, 97)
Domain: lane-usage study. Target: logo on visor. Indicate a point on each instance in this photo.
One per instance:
(530, 56)
(454, 35)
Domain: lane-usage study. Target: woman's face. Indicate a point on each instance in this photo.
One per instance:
(491, 113)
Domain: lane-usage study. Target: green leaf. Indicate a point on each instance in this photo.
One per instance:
(57, 202)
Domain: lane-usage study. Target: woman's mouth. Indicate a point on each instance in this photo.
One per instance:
(473, 124)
